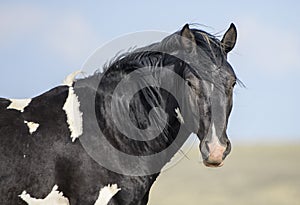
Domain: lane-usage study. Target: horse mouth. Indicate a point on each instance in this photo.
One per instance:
(213, 164)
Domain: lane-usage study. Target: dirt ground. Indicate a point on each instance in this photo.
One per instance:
(259, 175)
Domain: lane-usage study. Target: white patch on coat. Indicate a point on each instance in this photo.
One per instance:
(19, 104)
(212, 87)
(54, 198)
(106, 193)
(74, 115)
(215, 142)
(69, 80)
(216, 150)
(32, 126)
(179, 116)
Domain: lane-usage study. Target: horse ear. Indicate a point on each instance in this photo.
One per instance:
(187, 39)
(229, 38)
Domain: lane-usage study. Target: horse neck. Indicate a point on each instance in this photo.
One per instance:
(97, 97)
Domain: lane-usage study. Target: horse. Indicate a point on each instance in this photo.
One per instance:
(115, 130)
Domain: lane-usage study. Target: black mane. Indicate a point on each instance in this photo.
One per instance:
(164, 53)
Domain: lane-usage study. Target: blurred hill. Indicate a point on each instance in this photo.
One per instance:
(259, 175)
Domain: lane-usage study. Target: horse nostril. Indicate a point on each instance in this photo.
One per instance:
(228, 149)
(204, 149)
(207, 147)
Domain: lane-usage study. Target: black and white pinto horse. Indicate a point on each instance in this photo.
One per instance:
(59, 147)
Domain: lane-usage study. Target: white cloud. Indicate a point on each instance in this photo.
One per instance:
(272, 49)
(66, 34)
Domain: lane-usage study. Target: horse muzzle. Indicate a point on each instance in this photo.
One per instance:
(213, 153)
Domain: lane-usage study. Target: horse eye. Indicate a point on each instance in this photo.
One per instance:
(189, 83)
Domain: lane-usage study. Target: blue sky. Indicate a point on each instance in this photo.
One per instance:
(42, 42)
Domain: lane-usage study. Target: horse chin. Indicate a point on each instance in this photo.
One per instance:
(213, 165)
